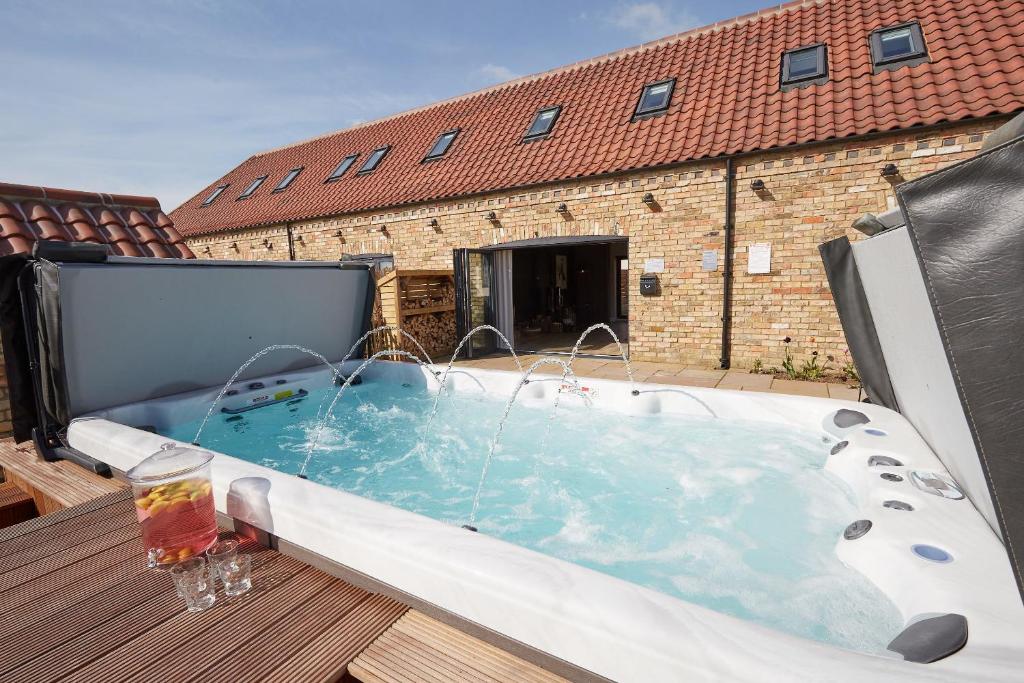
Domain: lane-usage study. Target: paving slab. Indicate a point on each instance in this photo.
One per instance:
(798, 388)
(745, 381)
(843, 392)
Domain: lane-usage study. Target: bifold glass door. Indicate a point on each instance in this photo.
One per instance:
(474, 299)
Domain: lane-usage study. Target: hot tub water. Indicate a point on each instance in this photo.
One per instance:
(737, 516)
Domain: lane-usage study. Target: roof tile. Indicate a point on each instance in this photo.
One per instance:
(727, 101)
(29, 213)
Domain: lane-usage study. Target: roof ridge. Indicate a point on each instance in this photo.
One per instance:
(56, 194)
(608, 56)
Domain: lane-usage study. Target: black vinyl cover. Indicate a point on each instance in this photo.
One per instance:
(20, 389)
(858, 325)
(966, 223)
(53, 381)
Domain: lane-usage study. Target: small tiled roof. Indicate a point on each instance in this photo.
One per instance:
(129, 225)
(727, 100)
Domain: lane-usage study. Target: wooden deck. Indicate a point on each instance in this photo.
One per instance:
(52, 485)
(418, 648)
(79, 604)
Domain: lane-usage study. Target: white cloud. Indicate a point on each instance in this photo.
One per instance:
(496, 73)
(650, 20)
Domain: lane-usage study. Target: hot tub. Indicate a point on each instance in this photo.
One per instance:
(666, 533)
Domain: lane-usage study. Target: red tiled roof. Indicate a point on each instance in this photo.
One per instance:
(131, 226)
(727, 100)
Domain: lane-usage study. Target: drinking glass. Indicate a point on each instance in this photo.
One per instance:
(235, 575)
(219, 553)
(193, 584)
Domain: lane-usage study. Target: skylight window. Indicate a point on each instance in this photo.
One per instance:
(253, 186)
(340, 169)
(543, 122)
(441, 146)
(213, 195)
(288, 179)
(655, 98)
(373, 161)
(804, 66)
(896, 46)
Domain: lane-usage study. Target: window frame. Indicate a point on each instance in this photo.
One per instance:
(531, 137)
(386, 149)
(619, 290)
(252, 187)
(787, 82)
(648, 113)
(213, 196)
(918, 56)
(335, 176)
(454, 132)
(282, 186)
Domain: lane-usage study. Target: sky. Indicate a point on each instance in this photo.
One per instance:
(162, 97)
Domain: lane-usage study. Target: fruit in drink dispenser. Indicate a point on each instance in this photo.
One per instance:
(178, 519)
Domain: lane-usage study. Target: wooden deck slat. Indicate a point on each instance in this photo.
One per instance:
(56, 518)
(231, 634)
(418, 648)
(326, 657)
(82, 533)
(424, 658)
(291, 631)
(80, 605)
(53, 485)
(59, 530)
(188, 632)
(458, 644)
(33, 608)
(70, 555)
(72, 655)
(92, 611)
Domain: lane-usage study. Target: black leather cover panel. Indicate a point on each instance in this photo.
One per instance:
(967, 226)
(858, 325)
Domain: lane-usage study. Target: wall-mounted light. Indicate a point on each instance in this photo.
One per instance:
(757, 185)
(267, 243)
(434, 224)
(234, 245)
(338, 233)
(649, 199)
(491, 216)
(890, 171)
(384, 229)
(562, 208)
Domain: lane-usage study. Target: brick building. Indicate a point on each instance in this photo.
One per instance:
(684, 157)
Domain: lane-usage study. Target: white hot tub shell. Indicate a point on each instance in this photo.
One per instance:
(600, 623)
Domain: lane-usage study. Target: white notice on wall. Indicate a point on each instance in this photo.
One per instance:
(759, 258)
(709, 260)
(654, 265)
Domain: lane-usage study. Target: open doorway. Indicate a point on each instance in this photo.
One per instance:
(560, 290)
(543, 293)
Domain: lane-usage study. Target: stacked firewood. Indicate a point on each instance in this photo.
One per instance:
(436, 331)
(423, 304)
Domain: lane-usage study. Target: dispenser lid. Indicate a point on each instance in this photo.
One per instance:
(170, 461)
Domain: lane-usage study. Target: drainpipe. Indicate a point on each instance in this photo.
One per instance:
(730, 220)
(291, 242)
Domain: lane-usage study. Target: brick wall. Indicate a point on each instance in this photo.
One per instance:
(812, 194)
